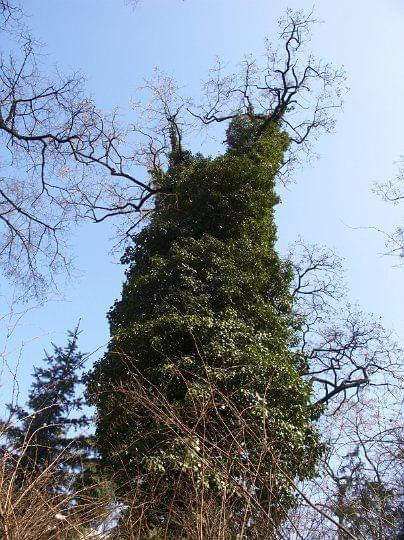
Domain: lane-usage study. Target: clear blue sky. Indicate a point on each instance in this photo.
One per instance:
(116, 47)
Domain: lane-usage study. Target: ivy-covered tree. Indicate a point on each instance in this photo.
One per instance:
(45, 434)
(201, 390)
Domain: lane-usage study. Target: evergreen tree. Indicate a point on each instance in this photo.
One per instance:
(45, 432)
(201, 377)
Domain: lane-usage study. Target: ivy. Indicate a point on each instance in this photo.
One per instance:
(201, 384)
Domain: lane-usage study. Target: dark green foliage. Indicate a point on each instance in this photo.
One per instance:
(205, 328)
(243, 132)
(46, 432)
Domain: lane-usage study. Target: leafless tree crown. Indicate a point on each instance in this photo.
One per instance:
(290, 87)
(347, 350)
(392, 191)
(64, 160)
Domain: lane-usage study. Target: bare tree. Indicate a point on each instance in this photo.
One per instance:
(360, 477)
(57, 150)
(356, 369)
(9, 13)
(392, 191)
(292, 87)
(346, 349)
(63, 160)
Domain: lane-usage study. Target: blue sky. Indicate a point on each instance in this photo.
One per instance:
(331, 201)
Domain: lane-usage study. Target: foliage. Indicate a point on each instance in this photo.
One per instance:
(205, 325)
(46, 432)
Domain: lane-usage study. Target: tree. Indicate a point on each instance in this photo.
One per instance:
(64, 160)
(348, 350)
(205, 321)
(355, 367)
(368, 507)
(203, 353)
(45, 434)
(364, 469)
(50, 486)
(392, 191)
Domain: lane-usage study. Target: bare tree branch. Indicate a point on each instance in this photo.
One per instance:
(292, 89)
(63, 160)
(345, 349)
(392, 191)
